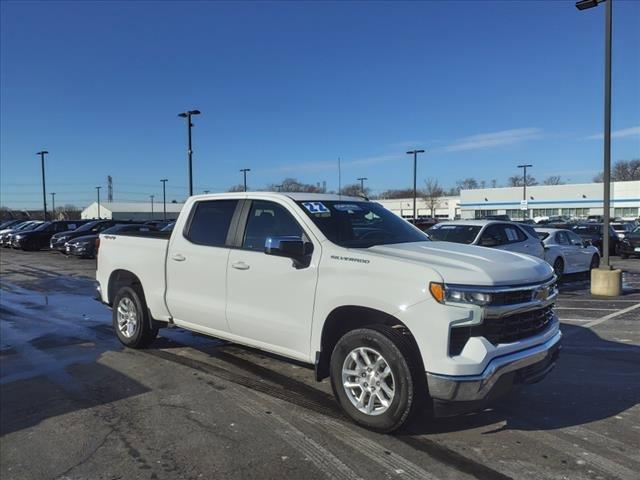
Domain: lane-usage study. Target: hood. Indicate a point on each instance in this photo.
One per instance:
(469, 264)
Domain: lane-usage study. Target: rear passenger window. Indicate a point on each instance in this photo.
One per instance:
(514, 234)
(210, 222)
(495, 232)
(562, 238)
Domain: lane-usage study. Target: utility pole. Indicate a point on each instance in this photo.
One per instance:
(164, 198)
(98, 191)
(53, 205)
(151, 206)
(524, 190)
(415, 180)
(362, 179)
(42, 153)
(244, 172)
(188, 114)
(109, 189)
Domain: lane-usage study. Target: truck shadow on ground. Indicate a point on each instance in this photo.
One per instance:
(594, 379)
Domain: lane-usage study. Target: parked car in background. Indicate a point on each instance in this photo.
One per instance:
(593, 233)
(93, 227)
(9, 223)
(489, 233)
(498, 217)
(622, 229)
(168, 227)
(85, 245)
(630, 244)
(567, 252)
(5, 236)
(158, 224)
(39, 237)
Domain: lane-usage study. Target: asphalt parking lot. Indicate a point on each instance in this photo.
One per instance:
(75, 404)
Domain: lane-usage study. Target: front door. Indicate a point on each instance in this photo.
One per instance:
(197, 267)
(269, 298)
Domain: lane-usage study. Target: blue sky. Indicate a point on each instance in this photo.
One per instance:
(287, 88)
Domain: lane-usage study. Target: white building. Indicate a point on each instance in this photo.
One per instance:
(445, 207)
(576, 200)
(131, 211)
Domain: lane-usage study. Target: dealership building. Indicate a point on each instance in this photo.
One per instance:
(131, 211)
(575, 200)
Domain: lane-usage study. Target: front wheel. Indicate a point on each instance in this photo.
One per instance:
(376, 377)
(131, 320)
(595, 262)
(558, 267)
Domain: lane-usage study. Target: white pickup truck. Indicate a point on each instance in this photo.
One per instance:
(394, 319)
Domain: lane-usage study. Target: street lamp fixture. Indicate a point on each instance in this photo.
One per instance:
(362, 179)
(188, 114)
(164, 198)
(42, 153)
(525, 210)
(244, 172)
(583, 5)
(415, 187)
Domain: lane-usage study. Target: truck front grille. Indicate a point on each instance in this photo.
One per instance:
(505, 329)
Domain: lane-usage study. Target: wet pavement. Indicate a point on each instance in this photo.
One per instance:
(75, 404)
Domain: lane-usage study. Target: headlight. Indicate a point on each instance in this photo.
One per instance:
(18, 237)
(444, 294)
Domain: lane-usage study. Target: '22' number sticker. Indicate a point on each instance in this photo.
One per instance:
(315, 207)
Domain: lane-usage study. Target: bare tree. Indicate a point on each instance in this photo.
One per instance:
(622, 171)
(293, 185)
(395, 193)
(553, 180)
(354, 190)
(432, 194)
(494, 182)
(236, 188)
(517, 181)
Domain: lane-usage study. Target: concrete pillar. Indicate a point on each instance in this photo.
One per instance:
(606, 283)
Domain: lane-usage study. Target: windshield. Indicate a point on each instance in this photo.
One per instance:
(360, 224)
(87, 227)
(454, 233)
(542, 235)
(587, 229)
(42, 226)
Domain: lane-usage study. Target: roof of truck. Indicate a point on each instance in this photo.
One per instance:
(296, 196)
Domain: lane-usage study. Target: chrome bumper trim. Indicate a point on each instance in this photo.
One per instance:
(477, 387)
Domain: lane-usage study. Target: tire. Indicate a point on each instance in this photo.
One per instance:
(558, 267)
(136, 332)
(595, 262)
(406, 379)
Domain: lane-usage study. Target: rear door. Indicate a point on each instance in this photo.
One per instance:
(197, 266)
(269, 300)
(568, 251)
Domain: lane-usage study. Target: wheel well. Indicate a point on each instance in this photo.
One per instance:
(344, 319)
(119, 279)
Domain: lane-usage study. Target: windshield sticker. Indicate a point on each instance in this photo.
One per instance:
(347, 207)
(315, 207)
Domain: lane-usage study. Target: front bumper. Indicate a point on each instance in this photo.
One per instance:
(526, 366)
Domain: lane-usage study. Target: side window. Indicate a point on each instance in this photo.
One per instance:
(492, 233)
(71, 226)
(574, 239)
(210, 222)
(514, 234)
(268, 219)
(562, 238)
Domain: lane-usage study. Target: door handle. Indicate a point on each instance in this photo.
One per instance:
(240, 266)
(178, 257)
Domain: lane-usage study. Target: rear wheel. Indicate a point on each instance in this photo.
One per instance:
(558, 267)
(131, 319)
(376, 377)
(595, 262)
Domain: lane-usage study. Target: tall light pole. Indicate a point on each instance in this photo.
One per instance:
(584, 5)
(362, 179)
(98, 191)
(53, 205)
(164, 198)
(188, 114)
(525, 211)
(151, 196)
(415, 173)
(42, 153)
(244, 172)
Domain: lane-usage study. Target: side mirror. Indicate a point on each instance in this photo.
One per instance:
(290, 247)
(586, 243)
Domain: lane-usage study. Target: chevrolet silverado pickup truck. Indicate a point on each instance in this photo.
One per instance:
(394, 319)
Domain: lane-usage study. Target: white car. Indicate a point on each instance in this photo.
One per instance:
(509, 236)
(567, 252)
(393, 319)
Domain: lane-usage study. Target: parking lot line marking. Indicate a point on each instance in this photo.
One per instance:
(579, 320)
(582, 308)
(562, 299)
(612, 315)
